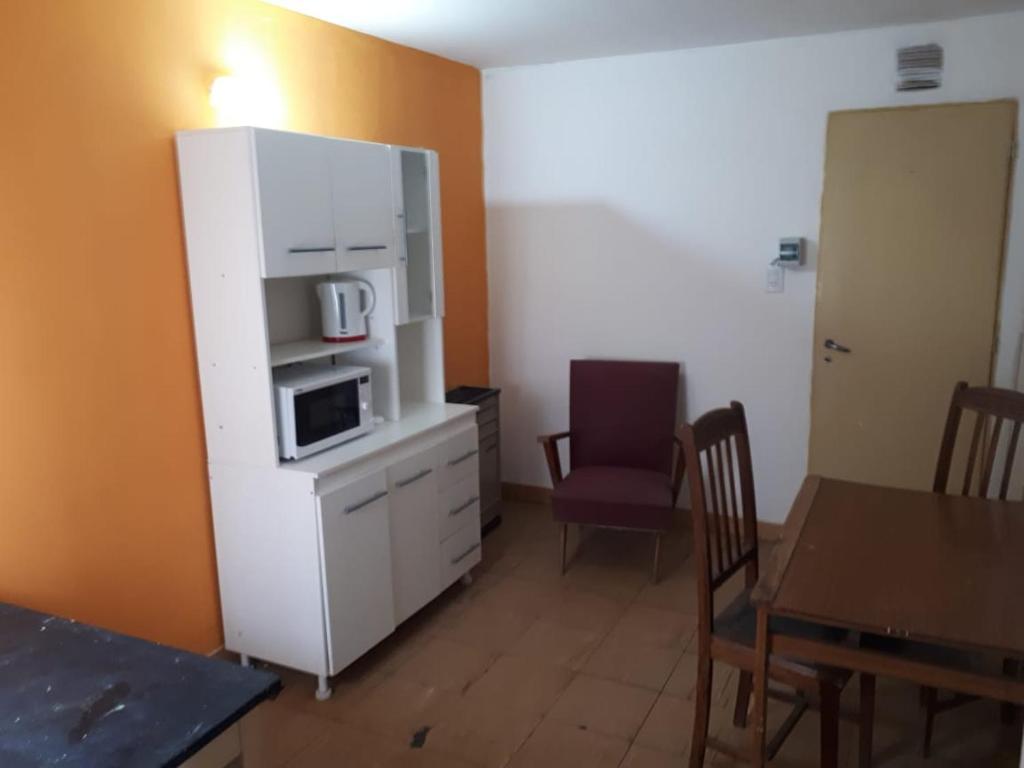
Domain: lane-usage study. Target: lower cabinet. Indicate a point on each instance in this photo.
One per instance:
(412, 486)
(393, 540)
(356, 551)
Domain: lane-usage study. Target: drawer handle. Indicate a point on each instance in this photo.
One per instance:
(463, 457)
(410, 480)
(467, 553)
(462, 508)
(366, 248)
(365, 502)
(311, 250)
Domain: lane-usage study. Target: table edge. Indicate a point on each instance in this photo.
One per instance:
(774, 573)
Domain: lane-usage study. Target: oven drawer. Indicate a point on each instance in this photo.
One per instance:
(460, 552)
(460, 506)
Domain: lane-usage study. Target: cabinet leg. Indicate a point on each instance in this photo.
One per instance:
(323, 690)
(467, 579)
(245, 660)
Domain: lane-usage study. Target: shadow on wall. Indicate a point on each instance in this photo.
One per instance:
(583, 280)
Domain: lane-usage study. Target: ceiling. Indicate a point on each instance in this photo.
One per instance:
(501, 33)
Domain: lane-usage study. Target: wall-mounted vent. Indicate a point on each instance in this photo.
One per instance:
(919, 67)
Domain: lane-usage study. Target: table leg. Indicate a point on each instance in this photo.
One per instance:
(761, 651)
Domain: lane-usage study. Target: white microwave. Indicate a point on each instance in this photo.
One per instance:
(320, 406)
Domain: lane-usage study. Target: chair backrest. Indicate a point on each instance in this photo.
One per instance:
(717, 451)
(991, 445)
(622, 414)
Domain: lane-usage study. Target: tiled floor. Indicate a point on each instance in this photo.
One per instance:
(528, 668)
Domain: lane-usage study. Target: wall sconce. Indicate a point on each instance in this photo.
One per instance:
(248, 93)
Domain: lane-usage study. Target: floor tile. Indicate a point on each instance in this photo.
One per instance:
(272, 733)
(645, 757)
(550, 642)
(486, 732)
(492, 629)
(555, 745)
(346, 745)
(616, 658)
(398, 708)
(668, 726)
(650, 627)
(445, 664)
(585, 610)
(521, 684)
(604, 706)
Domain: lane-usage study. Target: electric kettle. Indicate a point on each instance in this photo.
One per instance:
(344, 307)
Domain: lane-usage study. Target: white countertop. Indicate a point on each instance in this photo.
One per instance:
(417, 418)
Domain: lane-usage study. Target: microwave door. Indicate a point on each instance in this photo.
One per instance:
(325, 413)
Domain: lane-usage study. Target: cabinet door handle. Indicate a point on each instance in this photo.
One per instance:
(467, 553)
(414, 478)
(366, 248)
(311, 250)
(365, 502)
(463, 507)
(463, 457)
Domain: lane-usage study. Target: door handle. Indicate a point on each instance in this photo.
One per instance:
(463, 507)
(410, 480)
(365, 502)
(463, 457)
(830, 344)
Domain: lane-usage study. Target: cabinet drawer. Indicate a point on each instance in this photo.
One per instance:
(488, 429)
(488, 411)
(459, 458)
(459, 553)
(490, 473)
(414, 473)
(356, 568)
(460, 506)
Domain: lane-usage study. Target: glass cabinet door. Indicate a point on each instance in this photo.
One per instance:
(419, 235)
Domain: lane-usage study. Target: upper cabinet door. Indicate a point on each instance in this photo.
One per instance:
(364, 213)
(419, 281)
(296, 210)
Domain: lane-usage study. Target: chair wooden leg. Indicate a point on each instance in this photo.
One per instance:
(746, 685)
(565, 544)
(931, 701)
(867, 719)
(657, 558)
(701, 712)
(1008, 712)
(829, 726)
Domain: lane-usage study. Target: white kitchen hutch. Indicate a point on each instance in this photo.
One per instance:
(319, 559)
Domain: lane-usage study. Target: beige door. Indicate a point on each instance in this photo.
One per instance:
(912, 229)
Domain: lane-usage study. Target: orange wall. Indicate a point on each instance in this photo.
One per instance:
(104, 510)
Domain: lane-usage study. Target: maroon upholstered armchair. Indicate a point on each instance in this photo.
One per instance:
(624, 467)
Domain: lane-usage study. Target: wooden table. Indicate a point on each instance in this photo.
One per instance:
(943, 570)
(75, 695)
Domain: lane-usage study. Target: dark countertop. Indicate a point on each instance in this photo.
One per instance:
(75, 695)
(469, 395)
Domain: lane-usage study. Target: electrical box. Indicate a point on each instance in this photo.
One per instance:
(791, 252)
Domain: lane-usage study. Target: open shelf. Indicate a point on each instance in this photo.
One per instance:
(311, 349)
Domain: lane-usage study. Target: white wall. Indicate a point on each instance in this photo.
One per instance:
(633, 204)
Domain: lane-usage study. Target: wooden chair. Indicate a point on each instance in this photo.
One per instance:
(622, 418)
(717, 454)
(986, 452)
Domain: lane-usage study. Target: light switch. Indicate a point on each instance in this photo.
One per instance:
(775, 279)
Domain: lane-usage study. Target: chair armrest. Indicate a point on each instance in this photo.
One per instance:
(680, 470)
(550, 445)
